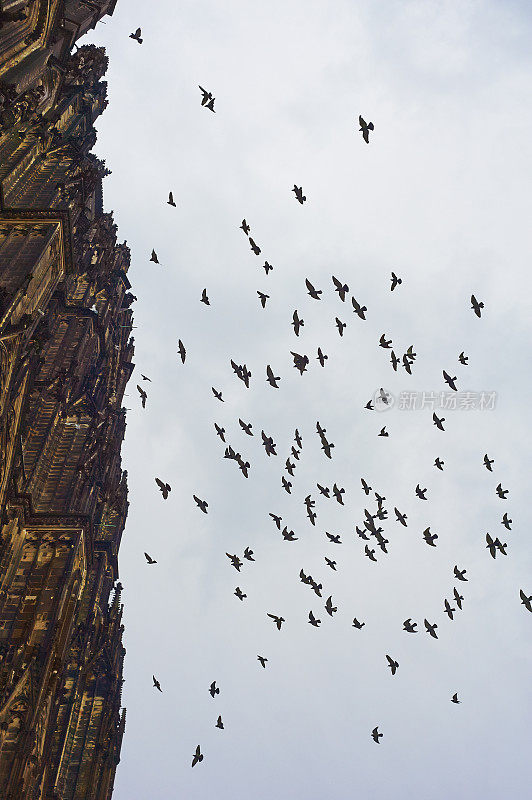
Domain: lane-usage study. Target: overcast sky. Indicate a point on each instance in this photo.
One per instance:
(441, 195)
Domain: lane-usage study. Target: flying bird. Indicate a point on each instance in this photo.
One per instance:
(271, 378)
(394, 361)
(239, 593)
(201, 503)
(276, 519)
(365, 487)
(245, 227)
(289, 467)
(269, 444)
(324, 490)
(219, 723)
(431, 629)
(278, 620)
(338, 494)
(400, 517)
(395, 281)
(246, 426)
(365, 128)
(460, 573)
(263, 297)
(369, 406)
(450, 381)
(383, 432)
(248, 554)
(149, 559)
(476, 306)
(357, 624)
(144, 378)
(154, 257)
(262, 660)
(220, 431)
(384, 342)
(333, 539)
(300, 362)
(254, 246)
(156, 684)
(164, 487)
(198, 756)
(409, 626)
(207, 96)
(297, 438)
(458, 597)
(340, 325)
(525, 600)
(448, 609)
(235, 561)
(438, 421)
(137, 36)
(204, 298)
(501, 492)
(488, 462)
(329, 608)
(182, 351)
(341, 288)
(330, 563)
(439, 463)
(314, 293)
(376, 735)
(297, 323)
(506, 522)
(170, 200)
(321, 357)
(217, 394)
(267, 267)
(370, 553)
(312, 620)
(454, 698)
(298, 191)
(463, 359)
(429, 537)
(358, 309)
(143, 395)
(421, 492)
(394, 665)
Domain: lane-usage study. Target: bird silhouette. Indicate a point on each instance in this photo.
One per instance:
(370, 553)
(488, 463)
(204, 298)
(219, 723)
(144, 378)
(407, 364)
(383, 432)
(149, 559)
(248, 554)
(394, 361)
(207, 96)
(235, 561)
(454, 698)
(421, 492)
(376, 735)
(297, 438)
(239, 593)
(278, 620)
(369, 406)
(182, 351)
(525, 600)
(220, 431)
(384, 342)
(245, 227)
(217, 394)
(460, 573)
(269, 444)
(341, 288)
(314, 293)
(288, 536)
(395, 281)
(357, 624)
(458, 598)
(312, 620)
(324, 490)
(333, 539)
(254, 246)
(491, 546)
(298, 191)
(400, 517)
(409, 626)
(429, 537)
(198, 756)
(365, 487)
(330, 563)
(271, 378)
(476, 306)
(506, 522)
(246, 426)
(201, 503)
(448, 609)
(462, 358)
(394, 665)
(340, 325)
(262, 660)
(329, 608)
(450, 381)
(365, 128)
(156, 684)
(321, 357)
(164, 487)
(431, 629)
(439, 463)
(289, 467)
(263, 297)
(137, 36)
(300, 362)
(297, 323)
(338, 494)
(143, 395)
(276, 519)
(287, 485)
(358, 309)
(267, 267)
(438, 421)
(154, 257)
(501, 492)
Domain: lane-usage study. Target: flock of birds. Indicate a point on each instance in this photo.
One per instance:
(369, 528)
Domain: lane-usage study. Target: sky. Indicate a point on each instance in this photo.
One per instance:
(441, 196)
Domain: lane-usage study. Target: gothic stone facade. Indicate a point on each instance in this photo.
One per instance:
(65, 358)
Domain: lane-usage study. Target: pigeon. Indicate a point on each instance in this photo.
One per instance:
(450, 381)
(370, 553)
(395, 281)
(289, 467)
(297, 323)
(394, 665)
(262, 661)
(327, 447)
(384, 342)
(491, 546)
(365, 128)
(400, 517)
(298, 191)
(506, 522)
(217, 394)
(394, 361)
(358, 309)
(154, 257)
(263, 297)
(340, 325)
(488, 463)
(246, 426)
(198, 756)
(182, 351)
(361, 533)
(369, 406)
(460, 574)
(438, 421)
(407, 364)
(143, 395)
(314, 293)
(278, 620)
(149, 559)
(295, 453)
(201, 503)
(204, 298)
(431, 629)
(333, 539)
(239, 593)
(219, 723)
(220, 431)
(476, 306)
(439, 463)
(164, 487)
(338, 494)
(325, 491)
(269, 444)
(430, 537)
(156, 684)
(271, 378)
(297, 439)
(379, 498)
(248, 554)
(137, 36)
(332, 564)
(448, 610)
(409, 626)
(254, 246)
(525, 600)
(329, 608)
(300, 362)
(276, 519)
(245, 227)
(170, 200)
(501, 492)
(376, 735)
(365, 487)
(454, 698)
(458, 598)
(235, 561)
(207, 96)
(420, 492)
(267, 267)
(144, 378)
(357, 624)
(312, 620)
(383, 432)
(341, 288)
(463, 359)
(321, 357)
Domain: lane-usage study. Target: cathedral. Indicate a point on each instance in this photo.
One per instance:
(65, 359)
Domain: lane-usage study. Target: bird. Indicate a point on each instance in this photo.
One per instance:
(340, 325)
(156, 684)
(365, 487)
(164, 487)
(271, 378)
(365, 128)
(262, 660)
(267, 267)
(501, 492)
(394, 665)
(137, 36)
(300, 362)
(235, 561)
(329, 608)
(312, 620)
(379, 498)
(327, 447)
(420, 492)
(254, 246)
(430, 537)
(143, 395)
(288, 536)
(149, 559)
(278, 620)
(395, 281)
(245, 227)
(407, 364)
(488, 462)
(295, 453)
(439, 463)
(506, 522)
(213, 689)
(289, 467)
(207, 96)
(384, 342)
(263, 297)
(409, 626)
(220, 431)
(431, 629)
(144, 378)
(525, 600)
(476, 306)
(297, 438)
(324, 490)
(154, 257)
(333, 539)
(321, 357)
(338, 494)
(239, 593)
(394, 361)
(246, 426)
(204, 298)
(201, 503)
(341, 288)
(454, 698)
(219, 724)
(297, 323)
(217, 394)
(383, 432)
(370, 553)
(462, 358)
(448, 609)
(357, 624)
(332, 564)
(369, 406)
(298, 191)
(182, 351)
(358, 309)
(460, 573)
(314, 293)
(400, 517)
(438, 421)
(170, 200)
(198, 756)
(269, 444)
(248, 554)
(491, 546)
(276, 519)
(458, 598)
(450, 381)
(376, 735)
